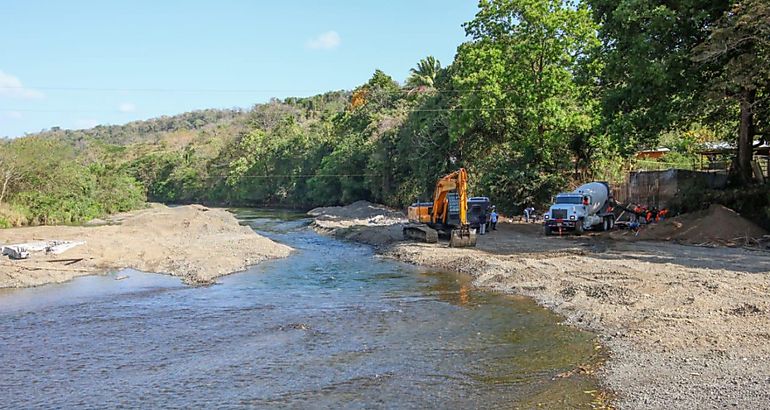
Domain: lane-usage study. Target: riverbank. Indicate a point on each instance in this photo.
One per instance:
(193, 242)
(331, 326)
(686, 325)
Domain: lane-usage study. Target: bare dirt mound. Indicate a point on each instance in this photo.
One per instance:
(361, 221)
(716, 225)
(356, 210)
(193, 242)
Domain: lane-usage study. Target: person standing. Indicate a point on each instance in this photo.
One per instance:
(482, 221)
(486, 217)
(493, 219)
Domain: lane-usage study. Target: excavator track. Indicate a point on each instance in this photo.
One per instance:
(421, 233)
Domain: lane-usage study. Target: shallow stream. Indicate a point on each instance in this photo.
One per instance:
(331, 326)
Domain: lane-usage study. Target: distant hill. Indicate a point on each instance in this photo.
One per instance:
(221, 122)
(152, 130)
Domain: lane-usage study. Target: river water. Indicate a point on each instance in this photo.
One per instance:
(332, 326)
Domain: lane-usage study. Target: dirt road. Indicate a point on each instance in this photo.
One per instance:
(193, 242)
(687, 327)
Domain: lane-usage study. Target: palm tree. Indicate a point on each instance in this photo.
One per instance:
(424, 74)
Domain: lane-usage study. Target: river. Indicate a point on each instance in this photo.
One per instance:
(332, 326)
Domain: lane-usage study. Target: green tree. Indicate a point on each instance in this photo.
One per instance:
(54, 185)
(738, 50)
(10, 169)
(424, 75)
(521, 105)
(423, 150)
(650, 82)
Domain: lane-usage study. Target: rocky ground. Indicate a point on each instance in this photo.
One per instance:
(193, 242)
(687, 326)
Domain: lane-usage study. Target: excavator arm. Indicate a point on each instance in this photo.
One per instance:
(456, 181)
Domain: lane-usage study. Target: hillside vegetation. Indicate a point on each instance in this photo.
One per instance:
(543, 94)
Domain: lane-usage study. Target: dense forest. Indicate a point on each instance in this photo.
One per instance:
(542, 95)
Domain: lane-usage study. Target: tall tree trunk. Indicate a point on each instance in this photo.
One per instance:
(2, 192)
(746, 137)
(6, 180)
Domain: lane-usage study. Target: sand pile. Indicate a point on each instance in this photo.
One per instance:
(193, 242)
(716, 225)
(357, 210)
(361, 221)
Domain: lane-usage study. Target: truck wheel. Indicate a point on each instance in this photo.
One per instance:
(612, 222)
(547, 230)
(605, 224)
(579, 227)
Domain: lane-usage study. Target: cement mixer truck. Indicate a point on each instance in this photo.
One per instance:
(589, 207)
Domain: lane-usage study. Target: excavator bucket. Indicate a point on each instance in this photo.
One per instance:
(462, 238)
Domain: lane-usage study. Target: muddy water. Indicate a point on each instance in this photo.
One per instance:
(331, 326)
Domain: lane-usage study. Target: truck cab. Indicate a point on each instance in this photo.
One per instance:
(588, 207)
(477, 210)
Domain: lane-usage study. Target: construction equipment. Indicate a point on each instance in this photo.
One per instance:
(22, 250)
(16, 251)
(587, 207)
(477, 211)
(446, 216)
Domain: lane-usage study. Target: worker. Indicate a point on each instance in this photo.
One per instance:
(483, 221)
(528, 213)
(493, 218)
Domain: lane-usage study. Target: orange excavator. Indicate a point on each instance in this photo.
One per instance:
(446, 216)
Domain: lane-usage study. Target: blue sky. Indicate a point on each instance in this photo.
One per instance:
(74, 64)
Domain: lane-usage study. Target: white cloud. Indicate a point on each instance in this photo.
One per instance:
(86, 123)
(14, 115)
(127, 107)
(11, 86)
(325, 41)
